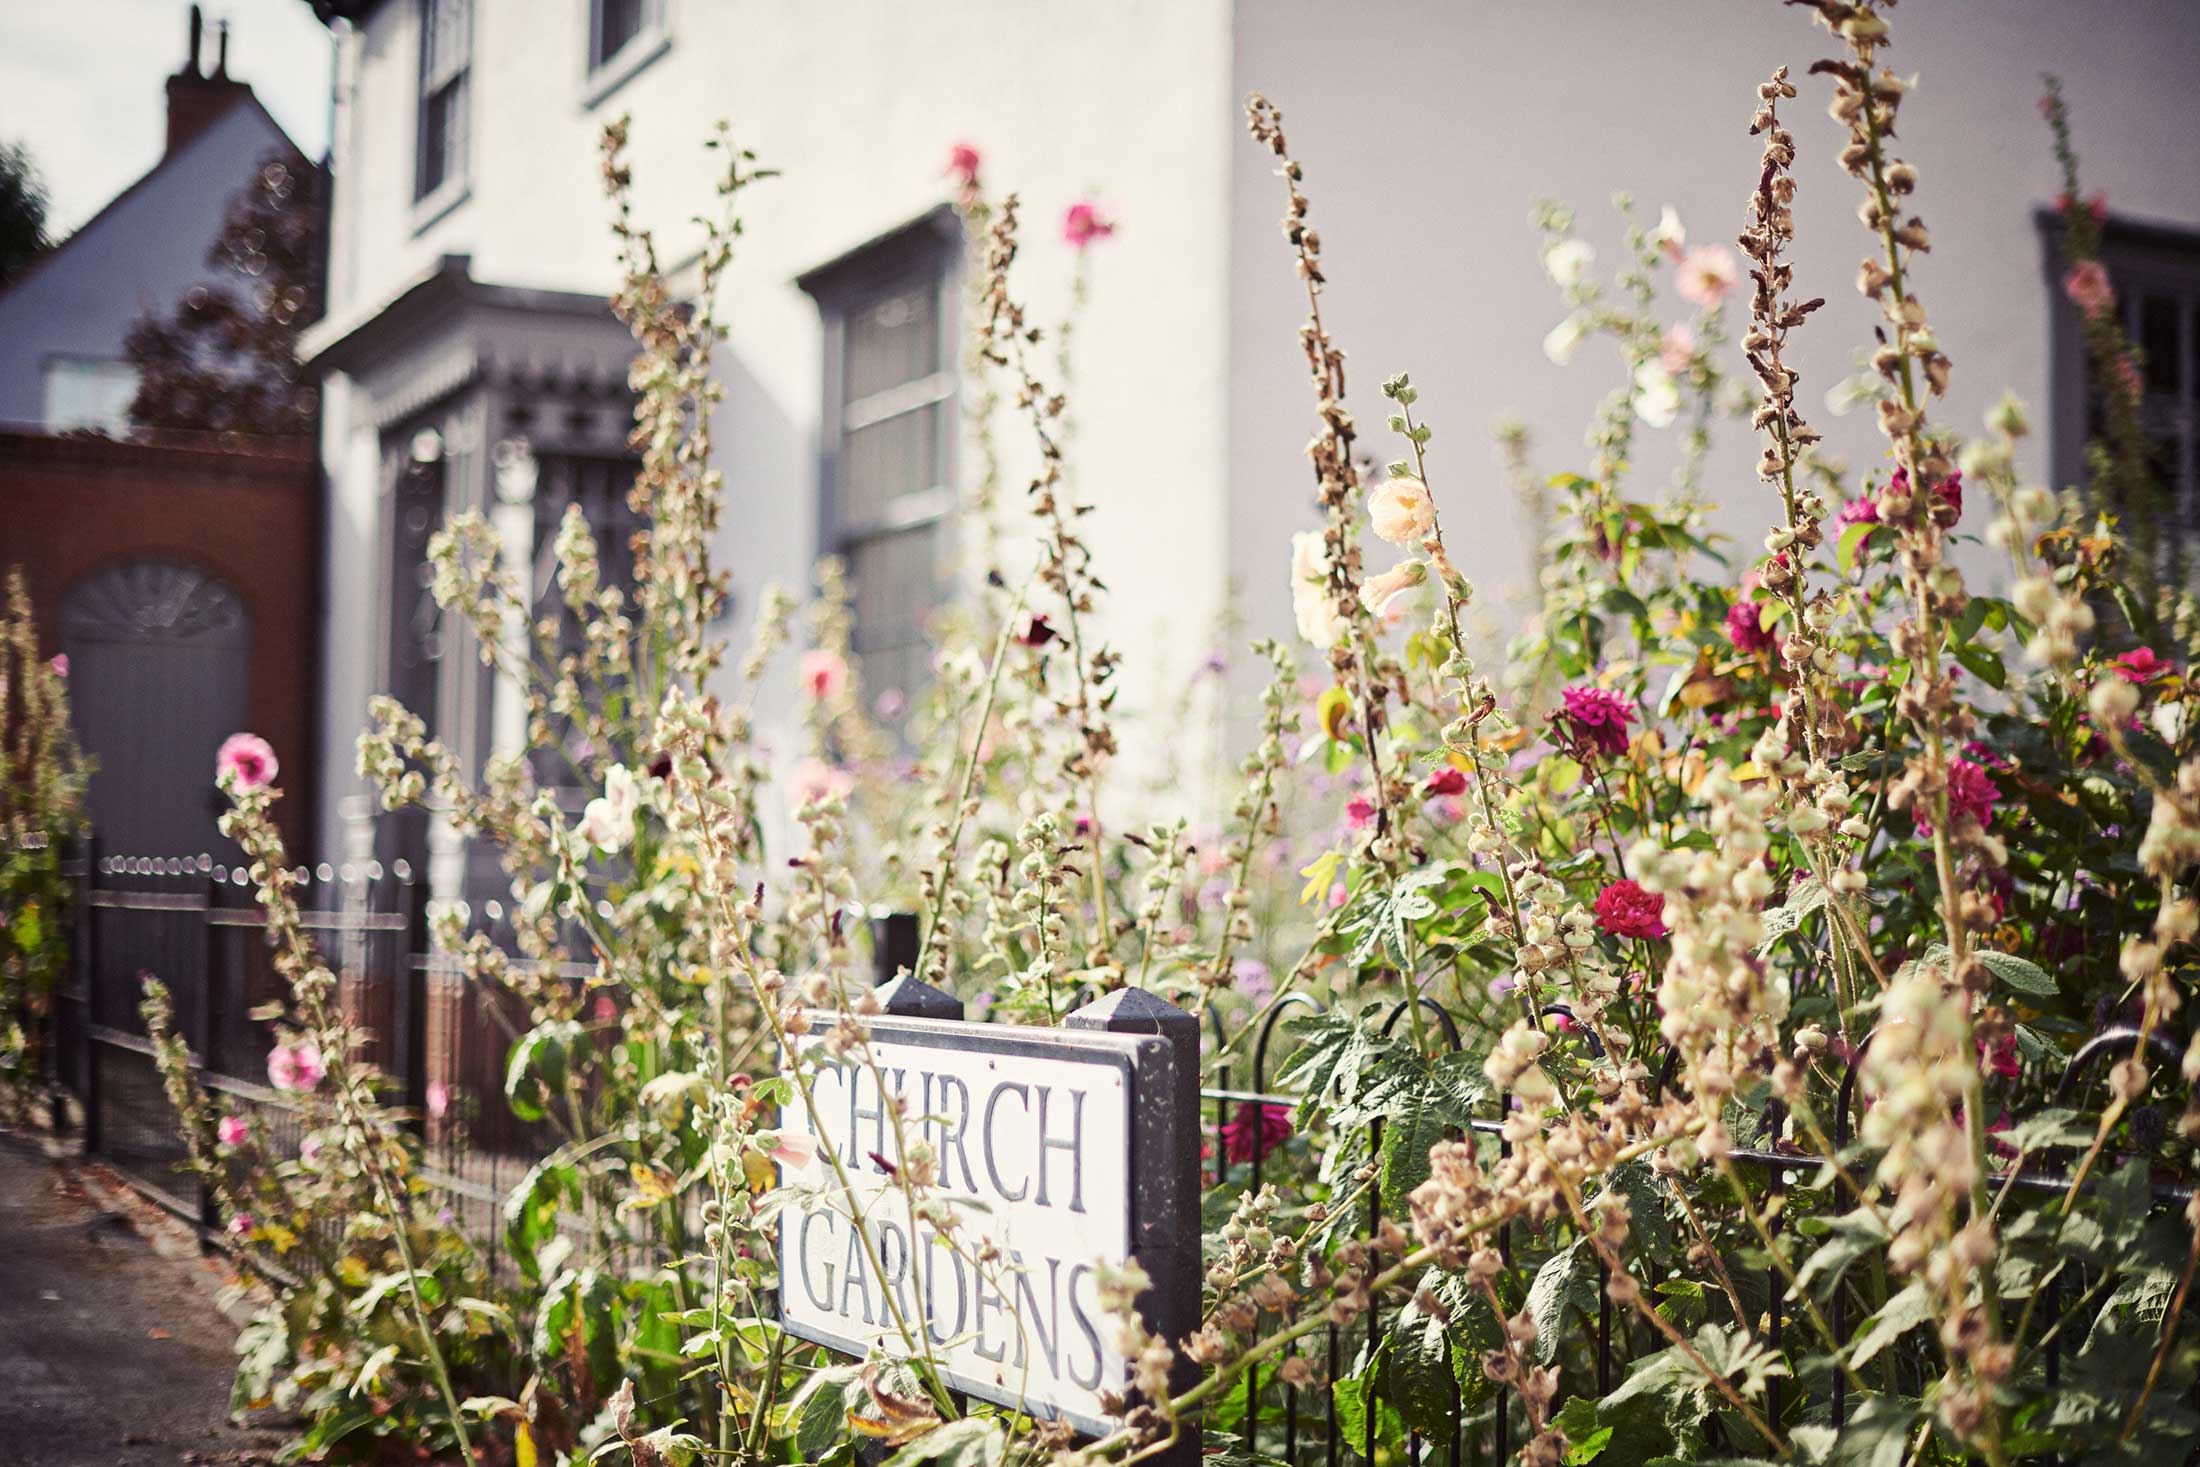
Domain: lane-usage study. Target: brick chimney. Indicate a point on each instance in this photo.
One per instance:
(197, 99)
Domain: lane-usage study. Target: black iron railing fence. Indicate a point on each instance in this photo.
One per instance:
(443, 1043)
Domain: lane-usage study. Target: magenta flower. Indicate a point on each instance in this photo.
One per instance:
(295, 1067)
(60, 664)
(1863, 511)
(2140, 665)
(240, 1225)
(1446, 781)
(232, 1131)
(1084, 223)
(963, 160)
(247, 760)
(2087, 285)
(1257, 1129)
(1359, 810)
(2001, 1057)
(1624, 909)
(1745, 627)
(1595, 721)
(1971, 791)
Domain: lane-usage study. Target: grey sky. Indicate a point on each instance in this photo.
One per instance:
(80, 83)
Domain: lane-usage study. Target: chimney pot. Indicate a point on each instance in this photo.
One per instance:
(198, 31)
(221, 49)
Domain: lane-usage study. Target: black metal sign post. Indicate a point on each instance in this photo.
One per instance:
(1069, 1149)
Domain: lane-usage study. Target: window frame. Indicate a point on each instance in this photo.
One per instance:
(604, 72)
(928, 248)
(453, 85)
(2142, 259)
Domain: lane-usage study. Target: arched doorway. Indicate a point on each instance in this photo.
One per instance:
(160, 658)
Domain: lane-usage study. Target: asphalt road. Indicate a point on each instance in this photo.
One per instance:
(110, 1355)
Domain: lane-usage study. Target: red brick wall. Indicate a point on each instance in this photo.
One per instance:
(71, 505)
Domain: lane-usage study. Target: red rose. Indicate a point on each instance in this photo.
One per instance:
(1624, 909)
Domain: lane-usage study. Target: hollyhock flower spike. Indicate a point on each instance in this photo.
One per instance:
(246, 761)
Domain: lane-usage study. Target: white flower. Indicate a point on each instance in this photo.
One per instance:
(1657, 398)
(1671, 234)
(1402, 510)
(608, 822)
(1379, 591)
(1568, 260)
(1311, 604)
(1565, 339)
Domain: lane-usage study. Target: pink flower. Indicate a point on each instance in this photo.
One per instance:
(1401, 510)
(1084, 223)
(813, 782)
(1359, 810)
(824, 674)
(1745, 627)
(1705, 274)
(796, 1151)
(295, 1067)
(1677, 348)
(240, 1225)
(1255, 1130)
(2095, 205)
(247, 761)
(2087, 285)
(1863, 511)
(2140, 665)
(1595, 721)
(1971, 791)
(1624, 909)
(232, 1131)
(60, 664)
(2001, 1057)
(1446, 781)
(1378, 592)
(963, 160)
(309, 1151)
(439, 1099)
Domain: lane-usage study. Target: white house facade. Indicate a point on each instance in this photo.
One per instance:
(470, 255)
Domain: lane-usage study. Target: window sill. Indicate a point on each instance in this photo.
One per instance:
(431, 209)
(630, 61)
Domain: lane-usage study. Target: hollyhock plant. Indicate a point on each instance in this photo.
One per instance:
(1084, 223)
(1378, 592)
(1311, 603)
(1624, 909)
(1706, 274)
(1595, 721)
(246, 760)
(232, 1131)
(296, 1068)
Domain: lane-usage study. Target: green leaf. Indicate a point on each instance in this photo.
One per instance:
(1419, 1379)
(1804, 897)
(1566, 1281)
(1983, 665)
(1406, 1142)
(973, 1441)
(1844, 1239)
(1852, 540)
(1897, 1317)
(2017, 973)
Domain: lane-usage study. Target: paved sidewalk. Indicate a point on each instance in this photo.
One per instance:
(111, 1355)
